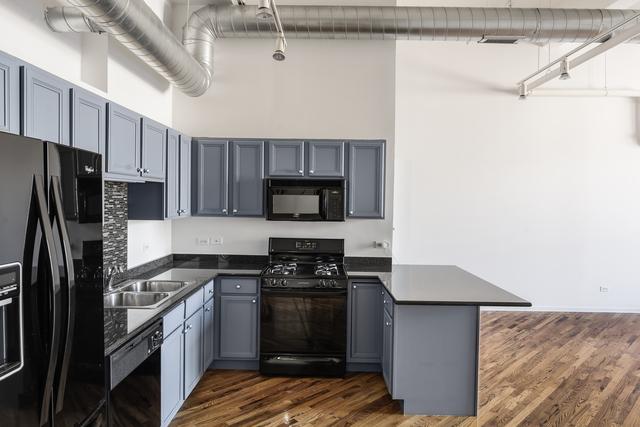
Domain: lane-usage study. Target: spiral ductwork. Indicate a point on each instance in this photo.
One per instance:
(189, 65)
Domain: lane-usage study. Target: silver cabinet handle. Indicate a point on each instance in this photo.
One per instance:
(355, 286)
(210, 291)
(350, 212)
(300, 171)
(146, 170)
(179, 211)
(187, 329)
(224, 211)
(312, 172)
(138, 170)
(207, 309)
(384, 301)
(235, 211)
(237, 286)
(253, 300)
(89, 169)
(387, 323)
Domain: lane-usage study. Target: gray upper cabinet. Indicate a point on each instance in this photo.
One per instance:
(45, 106)
(286, 158)
(154, 136)
(9, 94)
(171, 379)
(193, 351)
(184, 205)
(208, 333)
(123, 143)
(88, 124)
(172, 181)
(366, 179)
(325, 159)
(210, 192)
(247, 173)
(365, 320)
(238, 338)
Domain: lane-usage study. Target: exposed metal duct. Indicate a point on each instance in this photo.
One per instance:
(189, 66)
(137, 27)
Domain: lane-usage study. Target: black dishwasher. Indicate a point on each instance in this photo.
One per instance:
(134, 380)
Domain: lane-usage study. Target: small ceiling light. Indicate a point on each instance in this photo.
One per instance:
(564, 69)
(264, 10)
(281, 46)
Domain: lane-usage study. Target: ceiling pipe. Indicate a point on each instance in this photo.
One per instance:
(189, 65)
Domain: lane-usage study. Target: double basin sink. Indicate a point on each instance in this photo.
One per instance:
(143, 294)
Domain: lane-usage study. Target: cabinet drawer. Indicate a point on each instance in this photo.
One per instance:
(387, 302)
(194, 302)
(172, 320)
(208, 291)
(239, 285)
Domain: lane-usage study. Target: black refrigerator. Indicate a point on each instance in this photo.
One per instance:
(51, 304)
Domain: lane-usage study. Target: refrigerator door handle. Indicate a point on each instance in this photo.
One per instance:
(56, 211)
(38, 214)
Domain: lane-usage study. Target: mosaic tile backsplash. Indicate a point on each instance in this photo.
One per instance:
(115, 226)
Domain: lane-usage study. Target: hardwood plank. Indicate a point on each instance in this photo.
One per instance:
(556, 369)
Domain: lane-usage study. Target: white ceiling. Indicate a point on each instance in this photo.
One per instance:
(613, 4)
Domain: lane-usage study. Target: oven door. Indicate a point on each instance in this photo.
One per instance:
(303, 322)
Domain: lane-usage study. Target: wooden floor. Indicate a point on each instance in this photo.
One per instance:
(551, 369)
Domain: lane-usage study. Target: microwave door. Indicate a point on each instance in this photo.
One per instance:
(296, 205)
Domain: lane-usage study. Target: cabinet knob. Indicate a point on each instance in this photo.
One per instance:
(312, 172)
(146, 170)
(235, 211)
(207, 309)
(237, 286)
(89, 169)
(300, 171)
(355, 286)
(253, 301)
(387, 323)
(224, 211)
(350, 212)
(179, 211)
(210, 291)
(138, 170)
(384, 301)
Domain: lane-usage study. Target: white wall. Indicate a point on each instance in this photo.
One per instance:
(324, 89)
(539, 197)
(101, 65)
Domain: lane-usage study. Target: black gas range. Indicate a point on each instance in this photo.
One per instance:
(303, 308)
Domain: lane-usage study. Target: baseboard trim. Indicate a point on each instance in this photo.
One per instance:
(565, 309)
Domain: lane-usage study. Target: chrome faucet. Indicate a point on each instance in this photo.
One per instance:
(112, 272)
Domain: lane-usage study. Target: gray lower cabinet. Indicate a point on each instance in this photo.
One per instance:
(325, 159)
(184, 205)
(9, 94)
(123, 143)
(154, 137)
(387, 350)
(366, 179)
(45, 106)
(365, 320)
(247, 173)
(171, 380)
(238, 336)
(209, 333)
(285, 158)
(193, 351)
(210, 178)
(88, 121)
(172, 180)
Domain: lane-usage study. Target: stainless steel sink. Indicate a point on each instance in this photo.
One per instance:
(154, 286)
(135, 299)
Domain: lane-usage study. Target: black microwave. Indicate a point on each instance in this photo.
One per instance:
(305, 199)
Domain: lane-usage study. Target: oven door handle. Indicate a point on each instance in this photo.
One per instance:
(297, 292)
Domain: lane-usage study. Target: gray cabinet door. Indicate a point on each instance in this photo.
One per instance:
(365, 338)
(123, 142)
(325, 158)
(88, 121)
(387, 351)
(366, 179)
(193, 351)
(185, 176)
(286, 158)
(154, 137)
(9, 94)
(247, 173)
(208, 334)
(171, 385)
(172, 181)
(210, 177)
(238, 327)
(45, 106)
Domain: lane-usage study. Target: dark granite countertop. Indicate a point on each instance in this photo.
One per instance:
(440, 285)
(122, 324)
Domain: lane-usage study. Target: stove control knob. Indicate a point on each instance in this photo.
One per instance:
(283, 283)
(332, 284)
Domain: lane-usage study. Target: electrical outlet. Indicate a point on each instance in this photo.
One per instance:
(604, 289)
(217, 241)
(202, 241)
